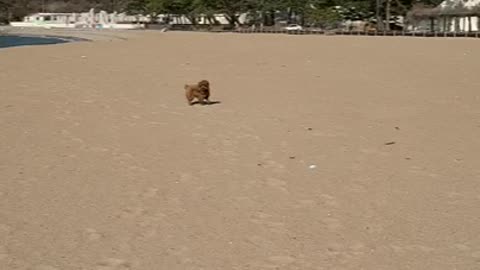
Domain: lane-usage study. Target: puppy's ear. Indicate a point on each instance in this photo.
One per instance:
(204, 83)
(186, 87)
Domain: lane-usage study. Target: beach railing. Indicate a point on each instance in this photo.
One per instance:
(394, 33)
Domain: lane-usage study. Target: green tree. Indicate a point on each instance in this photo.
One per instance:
(325, 17)
(264, 11)
(261, 11)
(230, 8)
(147, 7)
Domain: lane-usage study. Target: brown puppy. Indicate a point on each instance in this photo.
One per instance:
(200, 91)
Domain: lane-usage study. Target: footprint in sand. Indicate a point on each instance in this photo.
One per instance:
(3, 253)
(113, 264)
(258, 241)
(45, 267)
(397, 249)
(461, 247)
(305, 204)
(454, 198)
(276, 167)
(135, 168)
(152, 220)
(329, 200)
(411, 248)
(421, 248)
(78, 140)
(357, 188)
(278, 184)
(150, 193)
(332, 224)
(375, 228)
(281, 260)
(269, 223)
(476, 255)
(357, 249)
(5, 229)
(186, 177)
(334, 249)
(131, 212)
(92, 234)
(260, 216)
(228, 142)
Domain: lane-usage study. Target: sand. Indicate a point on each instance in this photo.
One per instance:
(324, 153)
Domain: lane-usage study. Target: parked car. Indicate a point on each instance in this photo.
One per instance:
(293, 27)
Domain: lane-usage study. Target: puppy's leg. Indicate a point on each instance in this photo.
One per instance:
(203, 99)
(207, 97)
(189, 97)
(189, 100)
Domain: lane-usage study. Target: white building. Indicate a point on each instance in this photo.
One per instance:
(104, 20)
(451, 16)
(462, 23)
(82, 20)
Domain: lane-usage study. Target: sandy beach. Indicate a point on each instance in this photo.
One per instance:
(324, 153)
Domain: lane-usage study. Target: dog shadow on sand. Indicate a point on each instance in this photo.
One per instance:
(206, 104)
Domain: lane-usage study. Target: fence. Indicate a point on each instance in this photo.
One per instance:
(270, 30)
(334, 33)
(362, 33)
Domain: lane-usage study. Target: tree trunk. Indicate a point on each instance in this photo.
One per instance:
(290, 14)
(272, 17)
(153, 17)
(193, 19)
(113, 5)
(212, 20)
(469, 24)
(264, 19)
(387, 15)
(444, 24)
(378, 15)
(232, 19)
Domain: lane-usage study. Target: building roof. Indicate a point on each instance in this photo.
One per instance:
(468, 4)
(448, 8)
